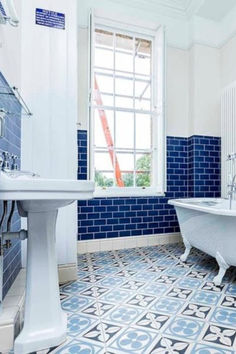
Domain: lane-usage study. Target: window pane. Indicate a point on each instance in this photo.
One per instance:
(102, 161)
(142, 56)
(143, 104)
(104, 58)
(107, 100)
(126, 162)
(124, 130)
(99, 131)
(124, 102)
(104, 179)
(124, 42)
(105, 83)
(143, 170)
(124, 87)
(143, 131)
(142, 89)
(128, 179)
(124, 62)
(143, 179)
(104, 38)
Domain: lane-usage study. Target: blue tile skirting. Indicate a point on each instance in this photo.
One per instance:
(193, 169)
(11, 143)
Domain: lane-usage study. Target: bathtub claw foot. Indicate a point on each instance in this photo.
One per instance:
(188, 247)
(223, 266)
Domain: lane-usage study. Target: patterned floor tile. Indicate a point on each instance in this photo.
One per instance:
(79, 346)
(198, 311)
(79, 323)
(184, 328)
(123, 314)
(167, 306)
(102, 332)
(231, 289)
(111, 282)
(147, 301)
(155, 289)
(98, 308)
(94, 291)
(197, 274)
(134, 340)
(209, 286)
(189, 283)
(205, 297)
(166, 279)
(74, 288)
(220, 335)
(117, 296)
(179, 293)
(141, 300)
(133, 285)
(169, 345)
(209, 349)
(226, 317)
(153, 320)
(76, 303)
(229, 301)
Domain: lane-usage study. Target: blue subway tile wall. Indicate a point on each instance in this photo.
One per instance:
(118, 217)
(204, 166)
(11, 143)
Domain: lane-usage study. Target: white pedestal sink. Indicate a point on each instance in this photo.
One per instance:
(39, 199)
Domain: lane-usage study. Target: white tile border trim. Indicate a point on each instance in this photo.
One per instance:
(126, 242)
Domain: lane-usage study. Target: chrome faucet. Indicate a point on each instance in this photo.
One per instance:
(232, 184)
(232, 190)
(5, 164)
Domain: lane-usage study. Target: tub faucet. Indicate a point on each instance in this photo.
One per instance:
(232, 190)
(232, 185)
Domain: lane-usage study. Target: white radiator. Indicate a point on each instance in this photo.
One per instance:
(228, 135)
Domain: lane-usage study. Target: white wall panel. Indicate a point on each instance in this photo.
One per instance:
(49, 85)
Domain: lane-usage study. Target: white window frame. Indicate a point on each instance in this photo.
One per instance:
(157, 37)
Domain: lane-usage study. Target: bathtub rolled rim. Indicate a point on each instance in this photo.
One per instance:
(195, 204)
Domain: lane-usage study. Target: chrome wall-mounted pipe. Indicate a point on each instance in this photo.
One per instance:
(2, 123)
(13, 203)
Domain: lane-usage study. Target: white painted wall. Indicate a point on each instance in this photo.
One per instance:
(204, 81)
(177, 92)
(49, 86)
(228, 60)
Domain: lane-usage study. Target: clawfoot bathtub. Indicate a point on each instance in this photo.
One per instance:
(209, 225)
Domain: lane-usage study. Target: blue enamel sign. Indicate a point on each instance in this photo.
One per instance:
(50, 18)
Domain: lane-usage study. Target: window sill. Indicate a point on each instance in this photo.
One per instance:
(127, 192)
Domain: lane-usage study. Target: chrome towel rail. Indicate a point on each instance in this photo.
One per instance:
(14, 92)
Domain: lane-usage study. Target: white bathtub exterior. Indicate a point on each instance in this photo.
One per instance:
(209, 225)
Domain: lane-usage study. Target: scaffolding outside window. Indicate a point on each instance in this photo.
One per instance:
(124, 142)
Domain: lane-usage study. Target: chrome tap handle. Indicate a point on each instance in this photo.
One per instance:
(14, 165)
(231, 156)
(5, 164)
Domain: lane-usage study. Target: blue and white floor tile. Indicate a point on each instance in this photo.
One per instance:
(145, 300)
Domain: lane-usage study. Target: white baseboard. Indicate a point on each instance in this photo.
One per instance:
(67, 272)
(126, 242)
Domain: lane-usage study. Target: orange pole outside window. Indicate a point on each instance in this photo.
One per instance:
(108, 137)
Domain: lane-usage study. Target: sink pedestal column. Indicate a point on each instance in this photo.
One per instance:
(44, 321)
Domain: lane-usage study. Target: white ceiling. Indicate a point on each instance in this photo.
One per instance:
(214, 10)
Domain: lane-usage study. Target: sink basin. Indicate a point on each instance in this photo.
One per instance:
(24, 185)
(39, 199)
